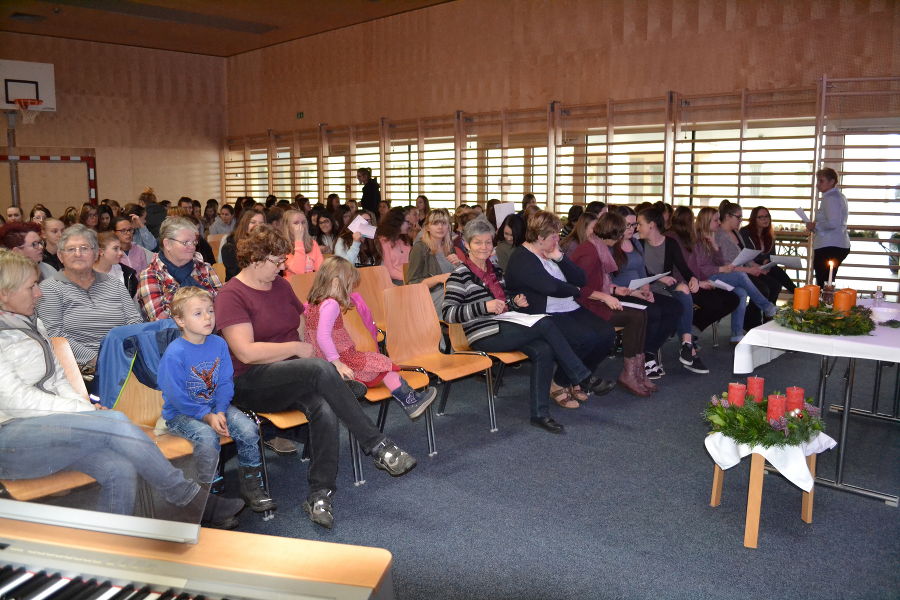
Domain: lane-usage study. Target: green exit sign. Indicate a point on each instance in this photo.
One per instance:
(300, 115)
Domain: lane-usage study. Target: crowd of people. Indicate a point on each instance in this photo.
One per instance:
(568, 295)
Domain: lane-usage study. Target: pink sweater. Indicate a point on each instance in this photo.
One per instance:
(328, 314)
(301, 262)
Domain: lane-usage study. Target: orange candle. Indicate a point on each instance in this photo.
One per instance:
(776, 407)
(814, 292)
(794, 398)
(852, 293)
(801, 299)
(755, 388)
(843, 301)
(736, 394)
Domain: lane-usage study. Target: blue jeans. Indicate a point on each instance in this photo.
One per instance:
(241, 429)
(546, 346)
(744, 289)
(102, 444)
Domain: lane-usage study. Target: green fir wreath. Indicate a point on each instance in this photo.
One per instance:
(748, 424)
(827, 321)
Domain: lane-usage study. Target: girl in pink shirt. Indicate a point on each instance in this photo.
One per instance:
(330, 297)
(394, 243)
(306, 256)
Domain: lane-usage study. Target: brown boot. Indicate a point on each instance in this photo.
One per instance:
(641, 375)
(629, 381)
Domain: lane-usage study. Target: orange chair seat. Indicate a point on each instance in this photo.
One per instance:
(381, 392)
(285, 419)
(450, 366)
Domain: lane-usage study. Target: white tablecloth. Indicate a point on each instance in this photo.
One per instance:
(766, 342)
(789, 460)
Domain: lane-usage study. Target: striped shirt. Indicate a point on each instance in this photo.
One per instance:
(465, 302)
(85, 316)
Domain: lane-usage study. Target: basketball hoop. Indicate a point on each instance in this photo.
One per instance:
(25, 104)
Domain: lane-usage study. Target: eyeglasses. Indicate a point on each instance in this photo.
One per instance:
(277, 261)
(631, 226)
(736, 216)
(185, 243)
(126, 231)
(38, 244)
(77, 250)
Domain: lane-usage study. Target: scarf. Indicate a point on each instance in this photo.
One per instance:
(488, 277)
(182, 274)
(607, 262)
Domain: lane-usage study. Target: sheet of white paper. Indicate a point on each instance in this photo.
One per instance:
(503, 210)
(744, 256)
(519, 318)
(791, 262)
(639, 283)
(802, 214)
(722, 285)
(362, 226)
(767, 266)
(633, 305)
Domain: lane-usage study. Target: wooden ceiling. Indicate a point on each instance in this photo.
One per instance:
(213, 27)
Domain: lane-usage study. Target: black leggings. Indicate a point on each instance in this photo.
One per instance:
(821, 256)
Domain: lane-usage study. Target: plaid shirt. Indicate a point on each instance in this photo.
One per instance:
(157, 286)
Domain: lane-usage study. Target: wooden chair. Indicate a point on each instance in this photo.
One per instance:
(460, 343)
(372, 282)
(215, 242)
(414, 337)
(219, 269)
(301, 283)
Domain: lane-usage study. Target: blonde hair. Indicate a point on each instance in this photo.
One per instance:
(541, 224)
(322, 288)
(181, 297)
(703, 229)
(285, 227)
(14, 270)
(438, 215)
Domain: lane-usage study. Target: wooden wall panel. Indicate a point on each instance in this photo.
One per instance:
(481, 55)
(155, 118)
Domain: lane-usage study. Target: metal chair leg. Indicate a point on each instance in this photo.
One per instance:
(499, 380)
(490, 398)
(382, 414)
(445, 393)
(429, 431)
(715, 328)
(356, 461)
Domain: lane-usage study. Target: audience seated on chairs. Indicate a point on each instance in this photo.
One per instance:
(195, 377)
(330, 297)
(137, 215)
(759, 234)
(135, 255)
(463, 215)
(731, 243)
(326, 232)
(306, 255)
(178, 264)
(580, 232)
(47, 427)
(25, 238)
(394, 243)
(360, 251)
(224, 223)
(51, 231)
(250, 218)
(595, 259)
(81, 304)
(259, 316)
(510, 236)
(575, 211)
(108, 256)
(476, 292)
(432, 258)
(709, 264)
(550, 282)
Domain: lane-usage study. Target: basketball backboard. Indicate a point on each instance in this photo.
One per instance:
(27, 80)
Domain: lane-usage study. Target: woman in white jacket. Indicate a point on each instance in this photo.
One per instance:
(46, 426)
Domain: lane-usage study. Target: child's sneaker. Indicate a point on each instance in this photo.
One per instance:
(413, 402)
(252, 490)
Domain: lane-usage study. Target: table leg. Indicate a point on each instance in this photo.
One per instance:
(754, 500)
(718, 478)
(823, 376)
(845, 419)
(806, 506)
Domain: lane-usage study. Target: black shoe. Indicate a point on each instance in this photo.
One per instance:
(318, 507)
(601, 386)
(221, 513)
(280, 445)
(252, 490)
(697, 366)
(686, 355)
(390, 458)
(548, 424)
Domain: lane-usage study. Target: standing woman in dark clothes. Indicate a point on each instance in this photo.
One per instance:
(371, 190)
(550, 282)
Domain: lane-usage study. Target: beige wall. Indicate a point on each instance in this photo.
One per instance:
(155, 118)
(478, 55)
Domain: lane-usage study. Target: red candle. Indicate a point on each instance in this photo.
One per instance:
(794, 398)
(736, 393)
(777, 405)
(755, 388)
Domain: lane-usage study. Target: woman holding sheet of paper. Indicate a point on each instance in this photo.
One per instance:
(831, 241)
(732, 245)
(759, 234)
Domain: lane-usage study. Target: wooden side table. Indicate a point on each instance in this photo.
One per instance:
(754, 496)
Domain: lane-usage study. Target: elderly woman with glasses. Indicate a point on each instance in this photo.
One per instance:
(178, 264)
(81, 304)
(25, 239)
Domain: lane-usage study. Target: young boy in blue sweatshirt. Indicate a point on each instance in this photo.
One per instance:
(196, 379)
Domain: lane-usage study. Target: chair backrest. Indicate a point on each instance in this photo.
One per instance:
(215, 244)
(372, 282)
(362, 339)
(66, 358)
(458, 340)
(301, 283)
(412, 322)
(141, 404)
(216, 238)
(219, 268)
